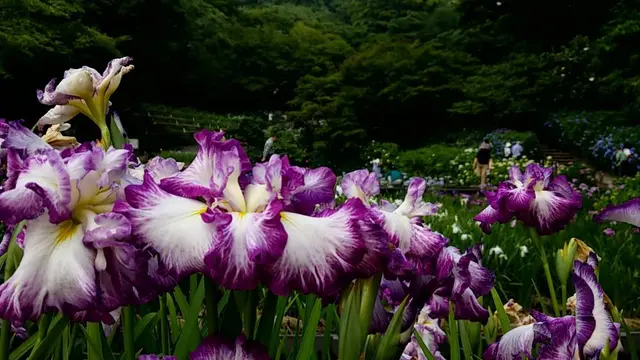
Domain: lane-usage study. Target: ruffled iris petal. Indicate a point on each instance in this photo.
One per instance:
(216, 348)
(321, 252)
(513, 345)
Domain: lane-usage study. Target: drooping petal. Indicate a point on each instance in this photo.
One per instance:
(360, 184)
(513, 345)
(419, 244)
(594, 326)
(321, 252)
(39, 181)
(215, 348)
(550, 212)
(20, 138)
(627, 212)
(58, 115)
(559, 336)
(175, 227)
(492, 214)
(248, 241)
(467, 307)
(56, 273)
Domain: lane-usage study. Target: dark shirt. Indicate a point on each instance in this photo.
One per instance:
(483, 156)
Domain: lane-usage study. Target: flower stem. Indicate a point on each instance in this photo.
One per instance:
(547, 272)
(43, 326)
(128, 323)
(94, 341)
(564, 299)
(9, 269)
(164, 325)
(106, 137)
(211, 303)
(370, 288)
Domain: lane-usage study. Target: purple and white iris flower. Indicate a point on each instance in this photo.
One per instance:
(410, 246)
(240, 225)
(585, 336)
(627, 212)
(84, 91)
(536, 198)
(217, 348)
(432, 335)
(454, 278)
(75, 258)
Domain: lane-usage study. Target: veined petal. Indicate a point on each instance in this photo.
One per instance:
(413, 204)
(516, 198)
(513, 345)
(58, 115)
(550, 212)
(173, 226)
(594, 326)
(419, 244)
(20, 138)
(319, 187)
(41, 180)
(515, 175)
(56, 273)
(76, 83)
(627, 212)
(321, 252)
(560, 338)
(361, 184)
(49, 96)
(490, 216)
(538, 175)
(213, 157)
(467, 307)
(377, 246)
(248, 241)
(161, 168)
(215, 348)
(107, 230)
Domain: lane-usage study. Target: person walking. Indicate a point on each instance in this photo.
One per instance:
(268, 148)
(483, 162)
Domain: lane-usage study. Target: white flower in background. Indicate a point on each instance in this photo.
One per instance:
(398, 202)
(496, 250)
(464, 201)
(456, 229)
(586, 48)
(523, 251)
(466, 237)
(503, 257)
(339, 191)
(498, 3)
(549, 157)
(591, 79)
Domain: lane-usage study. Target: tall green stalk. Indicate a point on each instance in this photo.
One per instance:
(10, 267)
(211, 303)
(547, 272)
(164, 325)
(128, 326)
(94, 342)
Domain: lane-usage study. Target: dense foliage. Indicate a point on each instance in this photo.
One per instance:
(345, 71)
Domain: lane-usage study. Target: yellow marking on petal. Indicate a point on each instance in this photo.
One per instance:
(285, 218)
(200, 211)
(65, 231)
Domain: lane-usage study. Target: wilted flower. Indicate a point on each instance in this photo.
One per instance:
(54, 137)
(83, 91)
(534, 198)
